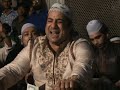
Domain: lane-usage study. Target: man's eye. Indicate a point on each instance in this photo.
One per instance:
(60, 21)
(49, 20)
(34, 33)
(98, 37)
(25, 34)
(92, 39)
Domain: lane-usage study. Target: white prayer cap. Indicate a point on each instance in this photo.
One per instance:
(94, 26)
(27, 25)
(61, 8)
(115, 39)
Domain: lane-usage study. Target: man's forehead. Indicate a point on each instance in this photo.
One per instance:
(61, 8)
(55, 12)
(95, 34)
(57, 16)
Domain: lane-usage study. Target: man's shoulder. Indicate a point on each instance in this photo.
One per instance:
(81, 40)
(81, 43)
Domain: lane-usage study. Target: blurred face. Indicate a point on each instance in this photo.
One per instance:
(28, 34)
(98, 39)
(21, 11)
(57, 29)
(36, 4)
(6, 4)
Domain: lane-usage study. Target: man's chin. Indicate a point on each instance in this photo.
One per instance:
(99, 46)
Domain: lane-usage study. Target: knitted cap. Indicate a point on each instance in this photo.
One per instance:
(61, 8)
(93, 26)
(115, 39)
(27, 25)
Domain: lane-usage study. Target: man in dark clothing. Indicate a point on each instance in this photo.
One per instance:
(39, 16)
(20, 20)
(106, 66)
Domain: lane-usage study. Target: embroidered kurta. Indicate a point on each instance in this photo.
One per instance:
(48, 68)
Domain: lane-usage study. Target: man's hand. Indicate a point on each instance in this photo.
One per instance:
(117, 84)
(66, 84)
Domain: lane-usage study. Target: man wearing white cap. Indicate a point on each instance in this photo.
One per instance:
(57, 61)
(115, 39)
(107, 57)
(28, 32)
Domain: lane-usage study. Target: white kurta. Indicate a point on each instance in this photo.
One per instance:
(48, 69)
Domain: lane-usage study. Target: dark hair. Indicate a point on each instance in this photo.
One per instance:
(26, 8)
(43, 4)
(6, 27)
(22, 5)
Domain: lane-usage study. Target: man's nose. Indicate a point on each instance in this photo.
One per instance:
(30, 36)
(95, 42)
(54, 24)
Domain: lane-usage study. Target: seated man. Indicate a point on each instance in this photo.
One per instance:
(56, 60)
(28, 32)
(38, 16)
(5, 29)
(107, 63)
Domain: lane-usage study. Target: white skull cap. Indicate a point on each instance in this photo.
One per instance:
(94, 26)
(27, 25)
(115, 39)
(61, 8)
